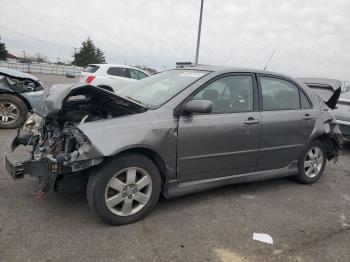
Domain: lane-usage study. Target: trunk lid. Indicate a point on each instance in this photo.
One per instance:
(327, 89)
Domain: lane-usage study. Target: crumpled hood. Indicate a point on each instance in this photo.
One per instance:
(20, 76)
(56, 95)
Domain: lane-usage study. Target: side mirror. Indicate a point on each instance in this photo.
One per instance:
(198, 106)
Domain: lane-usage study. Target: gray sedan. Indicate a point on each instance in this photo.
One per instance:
(175, 133)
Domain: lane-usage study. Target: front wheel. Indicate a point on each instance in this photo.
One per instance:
(124, 189)
(312, 163)
(13, 111)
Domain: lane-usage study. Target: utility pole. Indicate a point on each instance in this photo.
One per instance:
(199, 33)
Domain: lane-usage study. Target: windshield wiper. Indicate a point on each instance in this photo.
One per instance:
(137, 101)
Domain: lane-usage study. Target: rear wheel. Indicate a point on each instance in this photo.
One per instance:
(125, 189)
(13, 111)
(312, 163)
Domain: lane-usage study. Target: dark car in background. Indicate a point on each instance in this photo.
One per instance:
(20, 93)
(178, 132)
(326, 88)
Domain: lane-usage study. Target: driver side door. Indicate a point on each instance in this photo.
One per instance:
(226, 141)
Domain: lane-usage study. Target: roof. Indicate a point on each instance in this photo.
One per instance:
(119, 65)
(232, 69)
(11, 56)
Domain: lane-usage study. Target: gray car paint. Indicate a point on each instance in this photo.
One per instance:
(212, 159)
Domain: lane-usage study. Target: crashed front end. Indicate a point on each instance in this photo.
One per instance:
(58, 148)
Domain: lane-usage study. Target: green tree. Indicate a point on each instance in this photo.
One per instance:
(3, 51)
(100, 55)
(88, 54)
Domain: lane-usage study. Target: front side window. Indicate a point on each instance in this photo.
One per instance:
(230, 94)
(278, 94)
(119, 71)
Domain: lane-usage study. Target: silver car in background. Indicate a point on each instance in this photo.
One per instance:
(342, 113)
(175, 133)
(20, 93)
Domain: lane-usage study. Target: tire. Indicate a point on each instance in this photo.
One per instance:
(13, 111)
(109, 183)
(310, 174)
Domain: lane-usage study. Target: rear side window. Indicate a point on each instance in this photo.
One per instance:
(119, 71)
(91, 68)
(304, 102)
(136, 74)
(280, 94)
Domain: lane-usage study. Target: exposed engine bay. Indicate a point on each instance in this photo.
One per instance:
(20, 82)
(23, 85)
(57, 143)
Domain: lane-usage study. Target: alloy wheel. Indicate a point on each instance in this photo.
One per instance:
(128, 191)
(313, 162)
(9, 112)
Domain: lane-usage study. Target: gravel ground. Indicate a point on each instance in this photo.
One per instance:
(49, 80)
(306, 222)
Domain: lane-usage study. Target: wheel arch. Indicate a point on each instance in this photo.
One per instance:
(24, 100)
(150, 154)
(329, 143)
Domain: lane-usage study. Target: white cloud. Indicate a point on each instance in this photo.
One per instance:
(311, 38)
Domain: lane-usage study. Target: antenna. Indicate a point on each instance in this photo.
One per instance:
(268, 61)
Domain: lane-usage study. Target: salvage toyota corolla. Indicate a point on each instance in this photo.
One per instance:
(175, 133)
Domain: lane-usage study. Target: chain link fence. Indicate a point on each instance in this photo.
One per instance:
(52, 69)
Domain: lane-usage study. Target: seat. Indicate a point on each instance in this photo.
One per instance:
(211, 95)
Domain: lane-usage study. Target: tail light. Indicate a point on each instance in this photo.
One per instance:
(89, 79)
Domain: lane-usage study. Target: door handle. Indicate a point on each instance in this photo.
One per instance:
(307, 117)
(251, 121)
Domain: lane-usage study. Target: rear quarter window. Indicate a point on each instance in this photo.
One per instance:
(91, 69)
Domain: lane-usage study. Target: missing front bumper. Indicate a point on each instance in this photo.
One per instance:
(43, 170)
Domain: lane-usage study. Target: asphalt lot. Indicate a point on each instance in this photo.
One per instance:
(306, 222)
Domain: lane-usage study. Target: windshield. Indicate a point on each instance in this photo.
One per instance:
(155, 90)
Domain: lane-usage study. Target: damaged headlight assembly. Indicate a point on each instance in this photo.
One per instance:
(55, 150)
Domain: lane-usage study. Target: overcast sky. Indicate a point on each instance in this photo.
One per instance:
(311, 37)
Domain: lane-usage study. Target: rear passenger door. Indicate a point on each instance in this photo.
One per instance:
(287, 121)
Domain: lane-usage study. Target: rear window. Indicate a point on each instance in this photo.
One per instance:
(91, 68)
